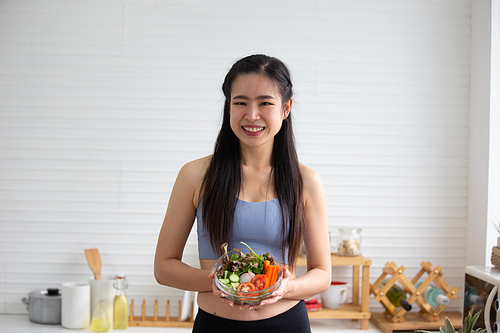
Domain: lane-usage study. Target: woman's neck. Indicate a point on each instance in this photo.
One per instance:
(256, 158)
(257, 177)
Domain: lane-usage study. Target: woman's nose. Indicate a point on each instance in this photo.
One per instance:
(252, 113)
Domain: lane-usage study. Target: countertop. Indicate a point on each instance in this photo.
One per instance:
(20, 323)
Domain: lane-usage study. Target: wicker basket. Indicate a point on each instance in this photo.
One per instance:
(495, 256)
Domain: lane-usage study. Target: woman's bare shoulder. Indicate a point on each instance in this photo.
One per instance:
(311, 180)
(309, 175)
(191, 177)
(196, 168)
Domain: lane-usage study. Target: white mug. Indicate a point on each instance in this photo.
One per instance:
(335, 296)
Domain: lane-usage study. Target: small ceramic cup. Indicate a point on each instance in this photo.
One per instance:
(335, 296)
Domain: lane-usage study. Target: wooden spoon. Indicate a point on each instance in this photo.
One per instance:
(94, 261)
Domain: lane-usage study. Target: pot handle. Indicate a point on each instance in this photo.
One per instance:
(26, 303)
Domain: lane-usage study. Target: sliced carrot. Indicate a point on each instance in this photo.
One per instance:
(272, 274)
(275, 275)
(269, 271)
(268, 279)
(265, 263)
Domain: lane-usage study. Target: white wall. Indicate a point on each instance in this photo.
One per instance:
(102, 102)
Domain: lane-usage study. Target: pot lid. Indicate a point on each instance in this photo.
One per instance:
(46, 293)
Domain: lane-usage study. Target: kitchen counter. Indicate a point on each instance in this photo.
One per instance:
(20, 323)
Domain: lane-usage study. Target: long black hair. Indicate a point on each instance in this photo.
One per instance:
(222, 181)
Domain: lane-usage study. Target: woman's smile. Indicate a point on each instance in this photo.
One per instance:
(253, 130)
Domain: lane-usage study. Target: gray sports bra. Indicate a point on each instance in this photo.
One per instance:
(256, 223)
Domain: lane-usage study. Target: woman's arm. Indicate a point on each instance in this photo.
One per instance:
(317, 242)
(169, 270)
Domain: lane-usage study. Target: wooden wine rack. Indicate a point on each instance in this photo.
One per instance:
(155, 320)
(426, 311)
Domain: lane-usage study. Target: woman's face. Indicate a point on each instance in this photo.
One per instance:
(256, 110)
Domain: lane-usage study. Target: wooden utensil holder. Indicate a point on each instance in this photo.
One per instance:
(155, 320)
(416, 296)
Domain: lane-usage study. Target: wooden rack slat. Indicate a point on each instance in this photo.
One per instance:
(155, 320)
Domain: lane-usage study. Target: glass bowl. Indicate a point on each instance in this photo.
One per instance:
(245, 297)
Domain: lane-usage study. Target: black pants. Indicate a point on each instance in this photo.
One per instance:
(294, 320)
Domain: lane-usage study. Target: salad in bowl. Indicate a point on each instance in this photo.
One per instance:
(247, 276)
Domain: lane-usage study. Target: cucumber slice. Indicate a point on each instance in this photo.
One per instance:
(234, 278)
(235, 285)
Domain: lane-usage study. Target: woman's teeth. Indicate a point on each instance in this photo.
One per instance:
(253, 129)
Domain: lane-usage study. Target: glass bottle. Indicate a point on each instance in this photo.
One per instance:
(120, 305)
(397, 296)
(472, 297)
(349, 242)
(99, 322)
(434, 295)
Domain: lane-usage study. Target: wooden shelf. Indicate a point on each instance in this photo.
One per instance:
(341, 261)
(352, 310)
(415, 322)
(348, 311)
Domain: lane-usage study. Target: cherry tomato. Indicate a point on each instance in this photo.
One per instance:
(259, 281)
(246, 287)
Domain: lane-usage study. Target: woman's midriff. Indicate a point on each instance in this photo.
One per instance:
(213, 304)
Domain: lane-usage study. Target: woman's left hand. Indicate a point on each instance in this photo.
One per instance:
(278, 293)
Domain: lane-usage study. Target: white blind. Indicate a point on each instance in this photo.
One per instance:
(102, 102)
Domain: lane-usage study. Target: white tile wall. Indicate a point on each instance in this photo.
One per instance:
(101, 103)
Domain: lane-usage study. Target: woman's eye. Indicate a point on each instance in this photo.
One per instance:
(239, 103)
(266, 103)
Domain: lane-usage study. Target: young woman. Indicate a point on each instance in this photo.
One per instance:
(252, 189)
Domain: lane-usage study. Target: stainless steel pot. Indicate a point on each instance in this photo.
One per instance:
(44, 306)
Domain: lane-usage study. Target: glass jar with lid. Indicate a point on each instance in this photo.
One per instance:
(349, 242)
